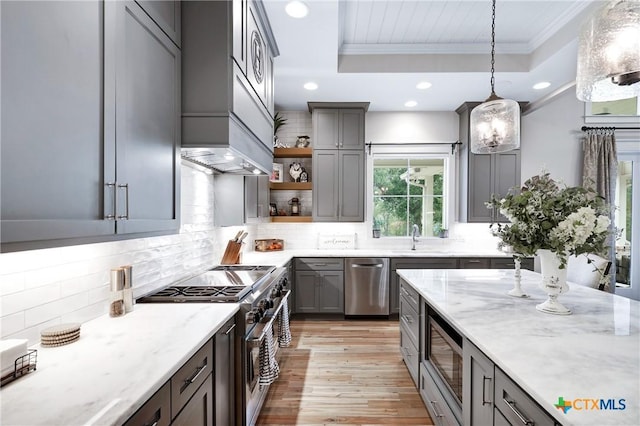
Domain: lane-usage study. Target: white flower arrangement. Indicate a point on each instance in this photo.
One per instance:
(544, 215)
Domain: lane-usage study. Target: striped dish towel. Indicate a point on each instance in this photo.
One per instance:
(269, 368)
(284, 332)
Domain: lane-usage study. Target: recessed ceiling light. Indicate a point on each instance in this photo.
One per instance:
(541, 85)
(296, 9)
(310, 86)
(410, 104)
(423, 85)
(256, 171)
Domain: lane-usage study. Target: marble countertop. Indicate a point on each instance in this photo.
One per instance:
(118, 363)
(592, 354)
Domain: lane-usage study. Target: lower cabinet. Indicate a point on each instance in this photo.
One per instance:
(491, 397)
(186, 399)
(477, 386)
(199, 410)
(409, 329)
(225, 371)
(319, 286)
(436, 404)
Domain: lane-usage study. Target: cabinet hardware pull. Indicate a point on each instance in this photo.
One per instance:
(523, 419)
(229, 330)
(156, 418)
(435, 410)
(366, 265)
(193, 378)
(126, 200)
(484, 387)
(112, 216)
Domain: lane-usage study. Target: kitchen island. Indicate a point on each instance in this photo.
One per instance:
(115, 367)
(593, 354)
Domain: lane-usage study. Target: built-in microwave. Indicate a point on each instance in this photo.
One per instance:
(444, 354)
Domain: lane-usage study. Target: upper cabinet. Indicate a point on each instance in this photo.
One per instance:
(89, 142)
(338, 161)
(337, 128)
(482, 175)
(227, 101)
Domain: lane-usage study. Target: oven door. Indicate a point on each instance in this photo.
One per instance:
(254, 391)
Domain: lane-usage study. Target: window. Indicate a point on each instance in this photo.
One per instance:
(628, 237)
(408, 190)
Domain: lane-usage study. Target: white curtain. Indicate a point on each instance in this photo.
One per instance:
(599, 171)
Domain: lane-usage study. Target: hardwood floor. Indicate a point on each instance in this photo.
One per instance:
(343, 372)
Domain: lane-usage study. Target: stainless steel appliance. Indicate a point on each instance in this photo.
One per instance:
(444, 359)
(261, 292)
(366, 286)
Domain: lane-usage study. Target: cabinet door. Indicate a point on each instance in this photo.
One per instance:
(166, 14)
(516, 405)
(306, 292)
(326, 133)
(477, 386)
(156, 411)
(199, 409)
(55, 157)
(331, 292)
(351, 180)
(351, 129)
(224, 374)
(506, 176)
(147, 122)
(256, 199)
(480, 187)
(325, 185)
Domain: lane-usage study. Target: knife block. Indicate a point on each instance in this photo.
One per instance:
(231, 254)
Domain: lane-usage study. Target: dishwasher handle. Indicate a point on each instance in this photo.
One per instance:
(367, 265)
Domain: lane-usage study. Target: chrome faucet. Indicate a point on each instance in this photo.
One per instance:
(415, 233)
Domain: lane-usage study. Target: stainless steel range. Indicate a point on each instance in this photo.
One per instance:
(261, 292)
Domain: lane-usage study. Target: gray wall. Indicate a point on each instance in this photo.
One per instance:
(551, 139)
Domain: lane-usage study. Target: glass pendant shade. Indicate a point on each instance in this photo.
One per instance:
(495, 126)
(609, 54)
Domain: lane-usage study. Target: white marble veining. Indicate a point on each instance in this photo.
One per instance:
(592, 354)
(117, 364)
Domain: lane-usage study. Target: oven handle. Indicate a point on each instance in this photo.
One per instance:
(262, 328)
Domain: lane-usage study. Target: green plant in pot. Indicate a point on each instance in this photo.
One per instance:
(278, 121)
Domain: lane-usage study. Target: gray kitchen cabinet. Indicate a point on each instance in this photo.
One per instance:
(493, 263)
(413, 263)
(156, 411)
(147, 127)
(439, 410)
(224, 374)
(104, 145)
(515, 405)
(166, 14)
(256, 199)
(409, 329)
(319, 286)
(482, 175)
(199, 410)
(53, 150)
(338, 186)
(186, 399)
(239, 200)
(338, 128)
(477, 386)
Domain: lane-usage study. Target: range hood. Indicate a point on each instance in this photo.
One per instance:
(224, 144)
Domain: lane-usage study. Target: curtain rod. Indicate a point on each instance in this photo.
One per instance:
(453, 144)
(585, 128)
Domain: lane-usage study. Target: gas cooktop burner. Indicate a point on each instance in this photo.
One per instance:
(197, 294)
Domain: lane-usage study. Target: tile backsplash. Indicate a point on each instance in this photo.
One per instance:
(40, 288)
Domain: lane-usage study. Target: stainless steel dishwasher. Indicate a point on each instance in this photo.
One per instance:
(366, 287)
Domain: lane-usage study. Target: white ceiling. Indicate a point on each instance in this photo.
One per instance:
(378, 50)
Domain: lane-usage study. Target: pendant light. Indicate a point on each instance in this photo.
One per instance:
(495, 124)
(609, 53)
